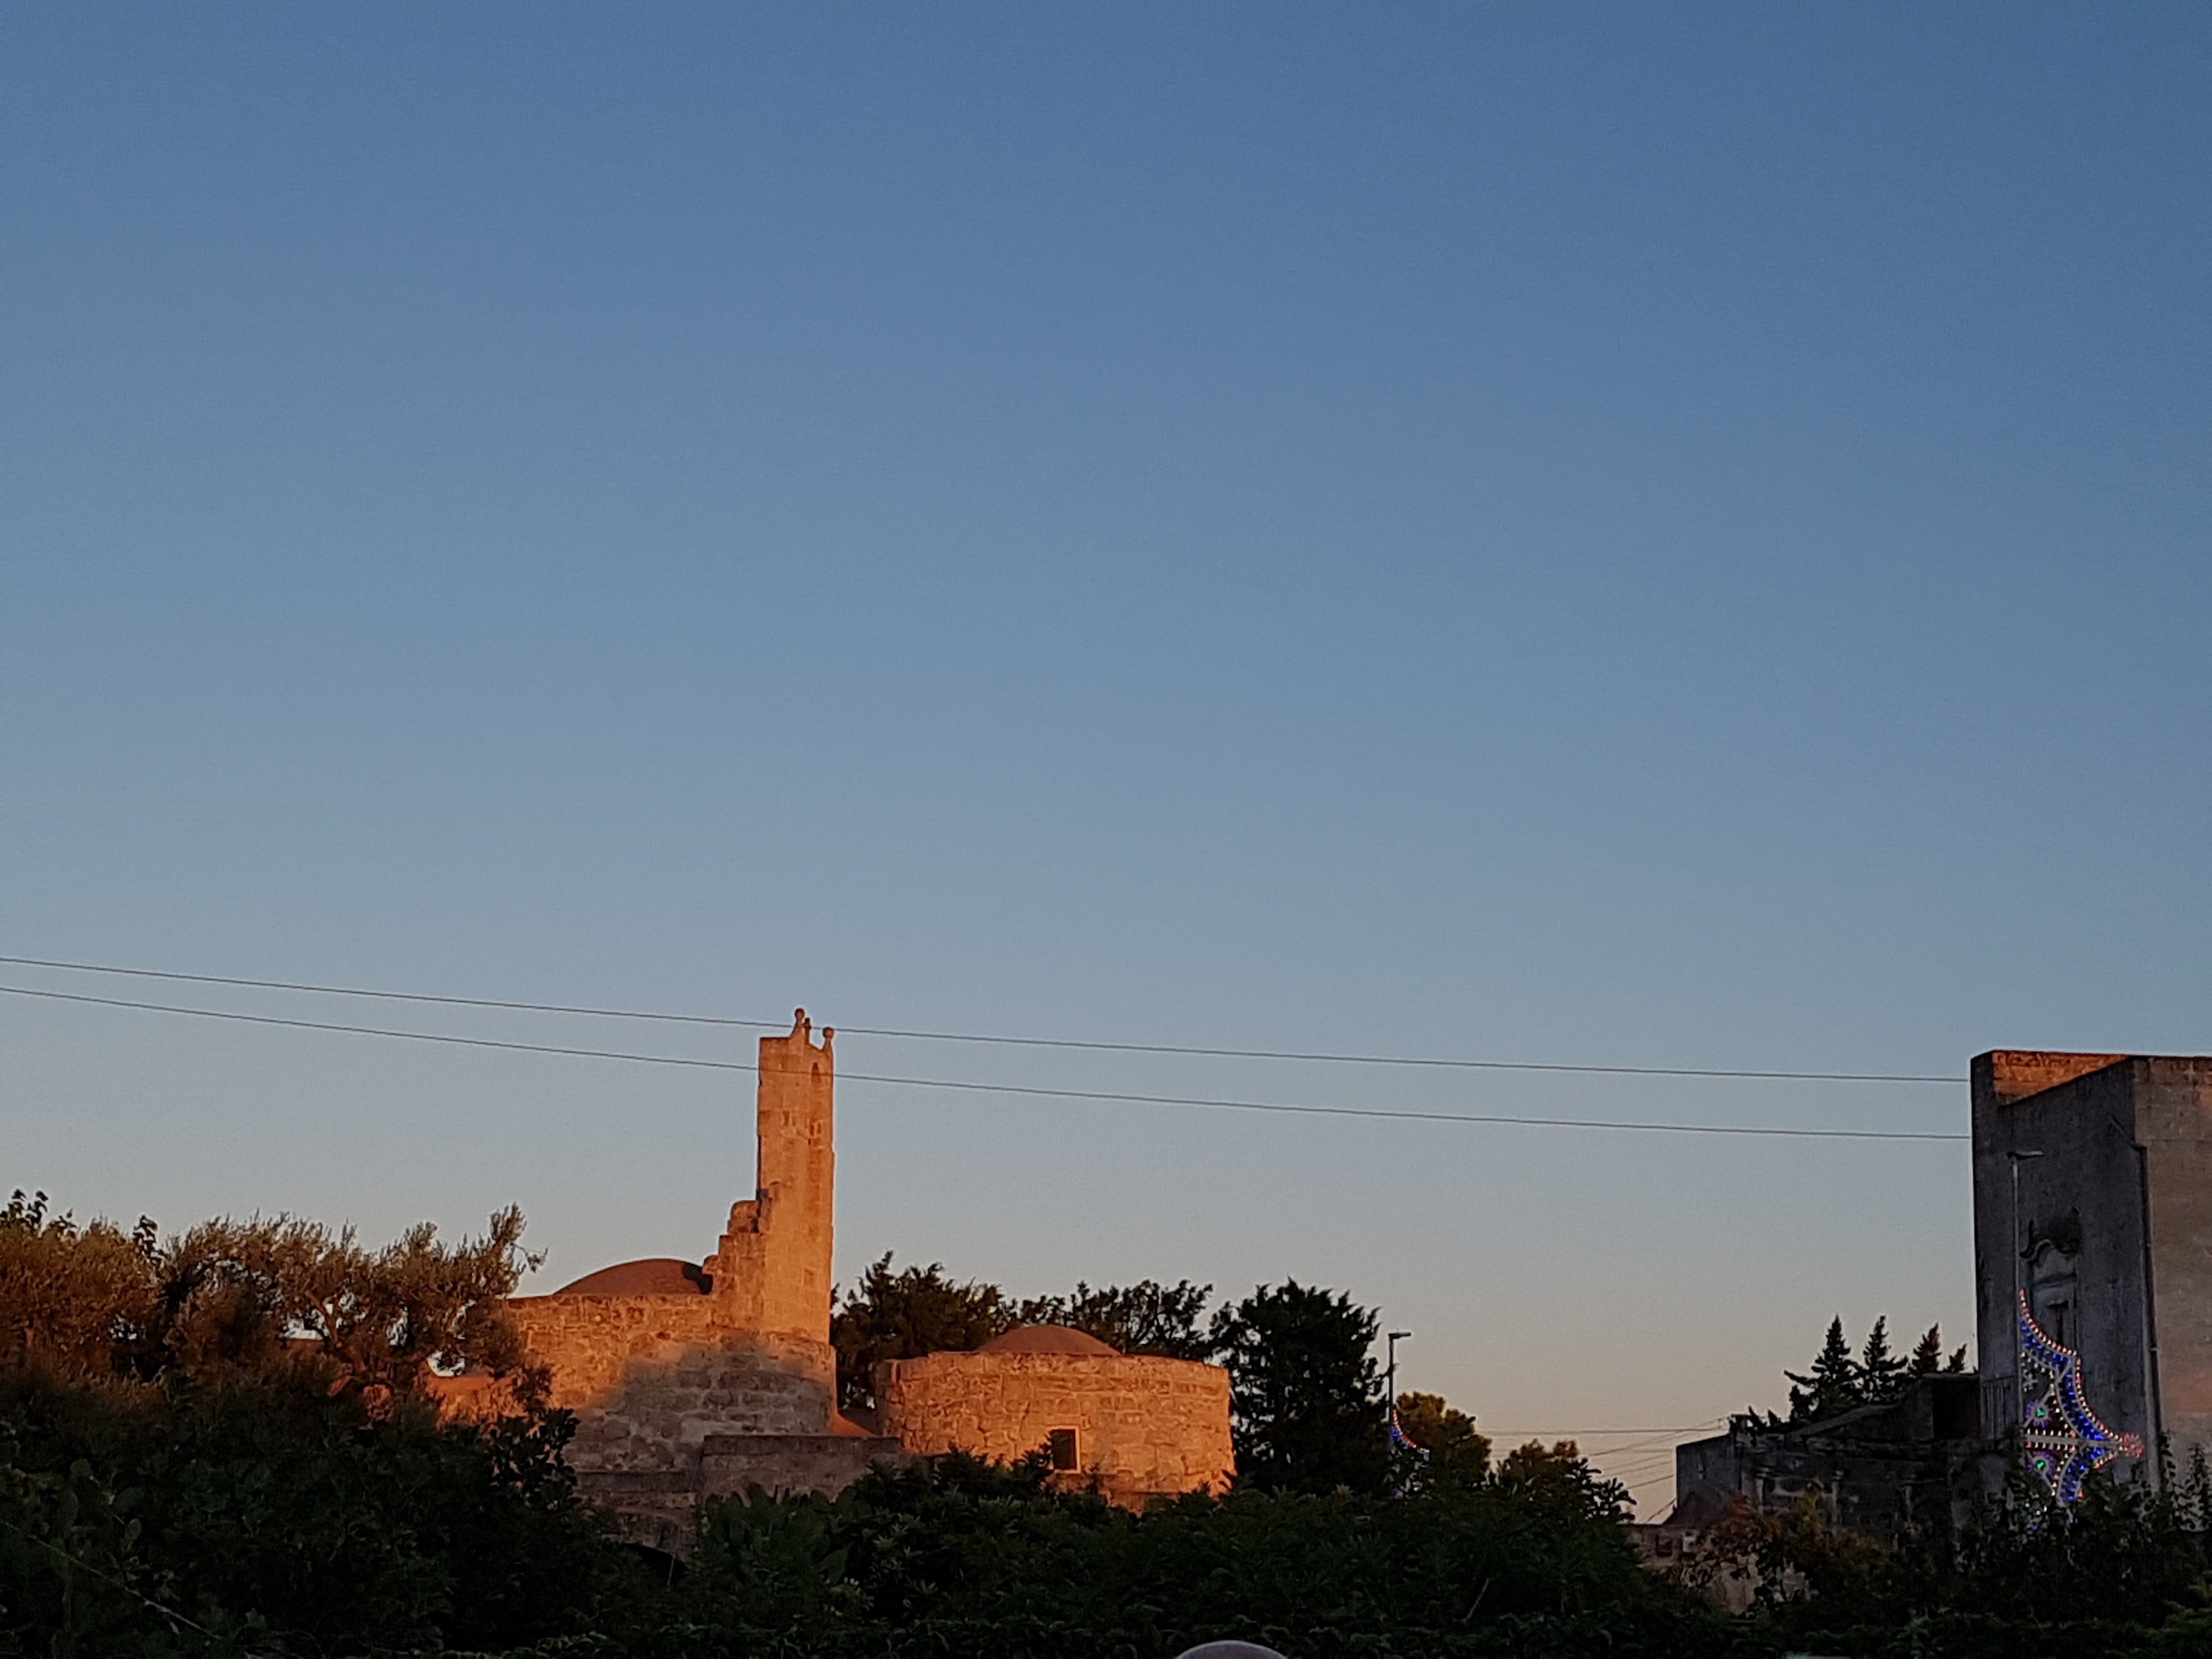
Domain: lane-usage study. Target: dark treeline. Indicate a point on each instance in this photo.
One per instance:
(1307, 1400)
(213, 1445)
(1838, 1382)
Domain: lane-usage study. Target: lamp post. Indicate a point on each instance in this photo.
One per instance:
(1391, 1371)
(2019, 1250)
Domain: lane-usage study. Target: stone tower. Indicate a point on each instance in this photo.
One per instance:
(772, 1273)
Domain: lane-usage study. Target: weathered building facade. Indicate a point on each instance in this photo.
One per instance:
(2092, 1254)
(1912, 1463)
(2093, 1276)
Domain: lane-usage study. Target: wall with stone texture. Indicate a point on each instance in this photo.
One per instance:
(650, 1378)
(1145, 1426)
(772, 1269)
(660, 1507)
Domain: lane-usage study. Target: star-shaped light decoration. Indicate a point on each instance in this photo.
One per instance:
(2060, 1435)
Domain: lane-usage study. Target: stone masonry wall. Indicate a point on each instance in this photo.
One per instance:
(1145, 1426)
(650, 1378)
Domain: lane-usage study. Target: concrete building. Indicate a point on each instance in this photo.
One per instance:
(692, 1380)
(1915, 1463)
(2093, 1276)
(2092, 1256)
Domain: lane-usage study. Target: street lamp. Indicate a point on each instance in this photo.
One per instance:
(2012, 1314)
(1391, 1371)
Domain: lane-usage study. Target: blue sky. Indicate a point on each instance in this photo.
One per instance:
(1572, 533)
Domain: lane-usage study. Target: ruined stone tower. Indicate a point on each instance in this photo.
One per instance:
(691, 1380)
(696, 1380)
(773, 1270)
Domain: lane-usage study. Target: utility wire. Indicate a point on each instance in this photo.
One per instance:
(1025, 1089)
(1012, 1041)
(86, 1568)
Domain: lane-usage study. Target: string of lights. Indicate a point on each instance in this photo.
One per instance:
(1026, 1091)
(970, 1036)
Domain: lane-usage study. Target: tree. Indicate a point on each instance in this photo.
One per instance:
(260, 1299)
(1306, 1403)
(905, 1315)
(72, 1299)
(1147, 1317)
(1561, 1475)
(1457, 1451)
(1882, 1373)
(1832, 1385)
(1927, 1354)
(259, 1296)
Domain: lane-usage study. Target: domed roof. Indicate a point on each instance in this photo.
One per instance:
(1049, 1339)
(659, 1275)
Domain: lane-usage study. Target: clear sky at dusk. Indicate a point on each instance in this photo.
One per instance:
(1648, 536)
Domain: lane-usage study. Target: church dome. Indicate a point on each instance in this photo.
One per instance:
(656, 1275)
(1049, 1339)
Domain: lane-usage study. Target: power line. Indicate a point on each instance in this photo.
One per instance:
(87, 1567)
(1012, 1041)
(1024, 1089)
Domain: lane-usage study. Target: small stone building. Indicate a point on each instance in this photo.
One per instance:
(694, 1380)
(1137, 1426)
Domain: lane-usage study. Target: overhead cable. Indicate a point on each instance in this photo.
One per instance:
(1009, 1041)
(1025, 1089)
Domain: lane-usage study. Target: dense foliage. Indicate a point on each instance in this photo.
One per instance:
(1452, 1449)
(215, 1446)
(962, 1558)
(2126, 1572)
(273, 1522)
(253, 1299)
(279, 1518)
(1306, 1399)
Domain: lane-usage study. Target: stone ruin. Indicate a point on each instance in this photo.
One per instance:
(691, 1381)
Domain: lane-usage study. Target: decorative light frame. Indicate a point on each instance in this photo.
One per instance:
(2061, 1438)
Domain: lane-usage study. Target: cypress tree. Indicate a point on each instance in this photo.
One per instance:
(1882, 1373)
(1834, 1383)
(1927, 1352)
